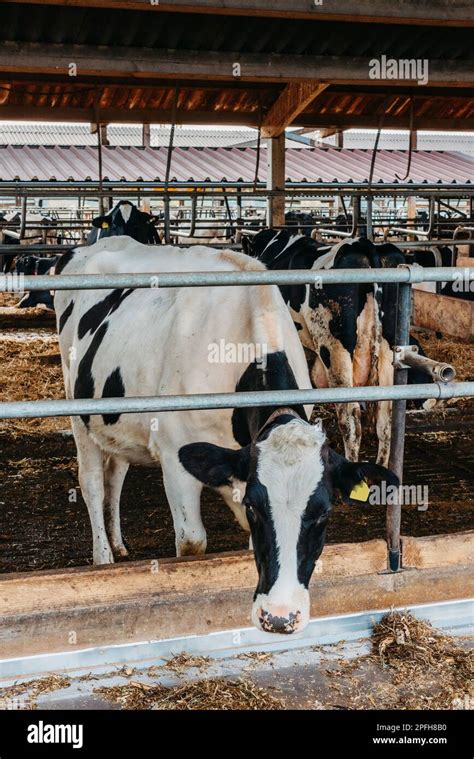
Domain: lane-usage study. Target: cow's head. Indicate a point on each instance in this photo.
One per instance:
(288, 476)
(125, 219)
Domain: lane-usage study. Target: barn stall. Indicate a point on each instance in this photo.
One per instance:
(114, 610)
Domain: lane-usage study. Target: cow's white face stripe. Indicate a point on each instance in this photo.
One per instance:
(126, 210)
(290, 242)
(290, 466)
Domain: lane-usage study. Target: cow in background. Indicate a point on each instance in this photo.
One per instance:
(350, 327)
(35, 265)
(42, 230)
(125, 219)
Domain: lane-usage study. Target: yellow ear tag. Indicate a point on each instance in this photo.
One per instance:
(360, 492)
(105, 225)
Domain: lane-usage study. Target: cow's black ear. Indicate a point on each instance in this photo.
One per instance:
(146, 216)
(99, 220)
(213, 465)
(346, 475)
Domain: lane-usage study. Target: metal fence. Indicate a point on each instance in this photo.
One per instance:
(405, 276)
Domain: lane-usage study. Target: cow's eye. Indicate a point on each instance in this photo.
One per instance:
(312, 521)
(251, 511)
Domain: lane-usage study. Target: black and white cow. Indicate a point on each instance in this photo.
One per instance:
(350, 328)
(34, 265)
(42, 230)
(124, 219)
(273, 469)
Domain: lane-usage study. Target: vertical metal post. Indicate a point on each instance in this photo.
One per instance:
(397, 447)
(166, 201)
(24, 205)
(355, 215)
(370, 228)
(239, 203)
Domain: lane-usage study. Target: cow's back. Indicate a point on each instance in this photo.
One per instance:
(166, 341)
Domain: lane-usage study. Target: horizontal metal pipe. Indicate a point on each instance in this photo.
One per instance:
(407, 231)
(183, 190)
(333, 232)
(411, 274)
(437, 369)
(130, 185)
(29, 409)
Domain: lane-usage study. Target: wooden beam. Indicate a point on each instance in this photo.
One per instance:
(135, 64)
(327, 132)
(424, 12)
(332, 123)
(293, 100)
(128, 602)
(121, 116)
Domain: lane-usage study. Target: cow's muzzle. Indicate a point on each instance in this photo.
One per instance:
(284, 625)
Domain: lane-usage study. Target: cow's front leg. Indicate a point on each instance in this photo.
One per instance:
(115, 472)
(183, 492)
(91, 479)
(340, 374)
(384, 408)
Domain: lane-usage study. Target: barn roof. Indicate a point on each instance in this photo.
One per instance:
(131, 55)
(126, 135)
(312, 165)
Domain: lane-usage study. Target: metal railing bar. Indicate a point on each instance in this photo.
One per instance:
(145, 404)
(412, 274)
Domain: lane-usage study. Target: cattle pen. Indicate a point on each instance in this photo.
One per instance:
(392, 596)
(409, 570)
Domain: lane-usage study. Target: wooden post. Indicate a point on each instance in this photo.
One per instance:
(103, 134)
(276, 179)
(146, 135)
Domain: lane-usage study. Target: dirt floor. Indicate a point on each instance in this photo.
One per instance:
(43, 521)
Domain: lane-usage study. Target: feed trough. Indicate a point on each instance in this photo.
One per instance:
(241, 660)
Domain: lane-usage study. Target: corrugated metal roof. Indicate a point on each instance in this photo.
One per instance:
(133, 28)
(126, 135)
(228, 164)
(463, 143)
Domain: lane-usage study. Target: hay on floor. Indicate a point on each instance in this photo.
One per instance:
(213, 695)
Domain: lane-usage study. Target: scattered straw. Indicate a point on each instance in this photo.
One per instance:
(434, 668)
(35, 688)
(183, 661)
(214, 695)
(450, 350)
(30, 369)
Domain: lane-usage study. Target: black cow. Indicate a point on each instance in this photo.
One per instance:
(33, 265)
(304, 222)
(349, 327)
(125, 219)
